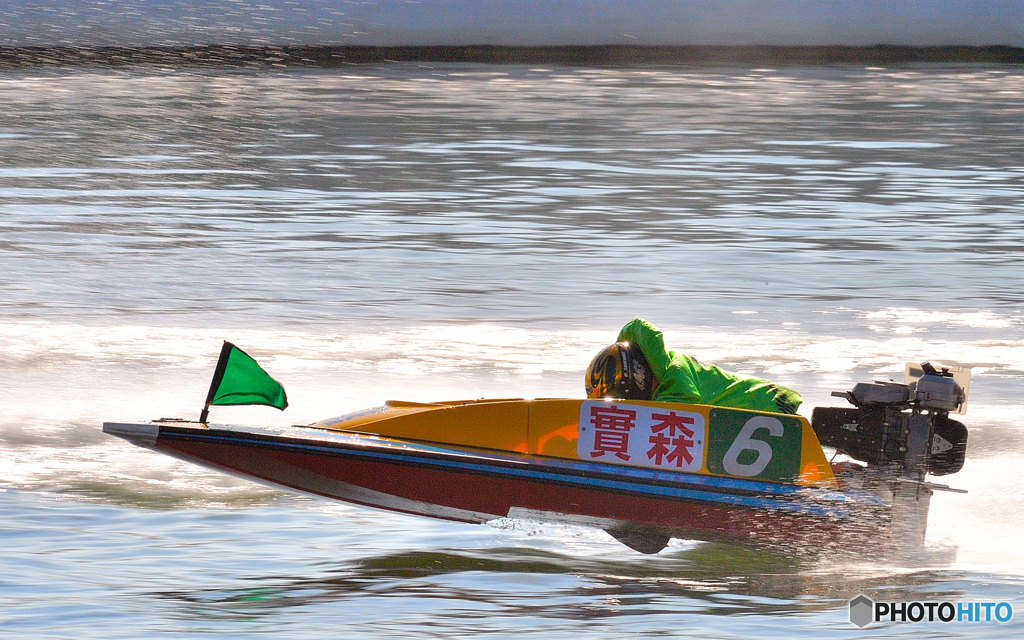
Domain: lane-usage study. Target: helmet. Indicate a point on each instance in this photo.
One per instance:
(620, 371)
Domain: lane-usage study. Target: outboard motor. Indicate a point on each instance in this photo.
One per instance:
(902, 432)
(904, 428)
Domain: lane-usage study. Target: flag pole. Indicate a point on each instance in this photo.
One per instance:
(218, 377)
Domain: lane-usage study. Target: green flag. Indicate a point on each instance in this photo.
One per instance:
(238, 379)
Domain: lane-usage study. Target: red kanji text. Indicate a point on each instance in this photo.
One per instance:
(611, 430)
(673, 445)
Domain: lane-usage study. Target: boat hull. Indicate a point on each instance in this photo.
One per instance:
(478, 485)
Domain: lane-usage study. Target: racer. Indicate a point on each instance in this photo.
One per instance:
(638, 367)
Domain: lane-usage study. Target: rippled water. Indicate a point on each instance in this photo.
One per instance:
(439, 231)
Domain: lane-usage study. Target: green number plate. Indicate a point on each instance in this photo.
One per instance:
(754, 445)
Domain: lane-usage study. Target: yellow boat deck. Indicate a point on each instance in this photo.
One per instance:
(723, 441)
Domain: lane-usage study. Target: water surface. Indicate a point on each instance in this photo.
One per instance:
(440, 231)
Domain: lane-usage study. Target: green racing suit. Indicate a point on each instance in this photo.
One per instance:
(682, 378)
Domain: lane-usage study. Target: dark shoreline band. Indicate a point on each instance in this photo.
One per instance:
(331, 57)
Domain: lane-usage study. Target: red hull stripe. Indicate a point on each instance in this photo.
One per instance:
(455, 491)
(610, 480)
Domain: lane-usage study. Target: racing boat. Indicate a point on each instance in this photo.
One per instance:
(643, 471)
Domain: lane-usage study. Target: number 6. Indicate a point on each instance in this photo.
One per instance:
(744, 442)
